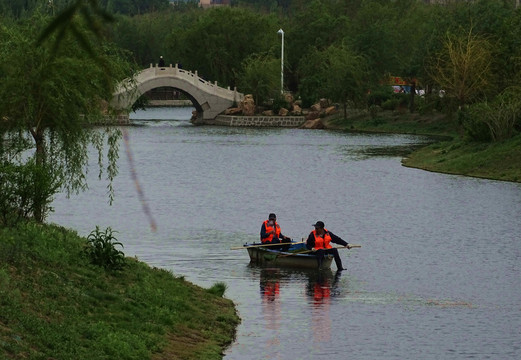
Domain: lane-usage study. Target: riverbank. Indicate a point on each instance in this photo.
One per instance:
(453, 154)
(55, 304)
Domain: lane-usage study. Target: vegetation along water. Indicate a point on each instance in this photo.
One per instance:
(418, 67)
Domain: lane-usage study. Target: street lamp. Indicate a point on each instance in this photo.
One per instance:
(281, 62)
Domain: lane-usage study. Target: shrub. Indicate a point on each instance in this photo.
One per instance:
(23, 189)
(278, 103)
(472, 120)
(374, 110)
(495, 120)
(390, 104)
(218, 289)
(101, 249)
(379, 95)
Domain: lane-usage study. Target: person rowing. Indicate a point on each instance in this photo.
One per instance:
(319, 242)
(270, 233)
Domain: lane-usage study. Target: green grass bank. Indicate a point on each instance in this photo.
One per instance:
(452, 154)
(54, 304)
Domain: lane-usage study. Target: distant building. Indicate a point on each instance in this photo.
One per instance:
(211, 3)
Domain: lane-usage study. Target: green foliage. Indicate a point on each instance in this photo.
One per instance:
(24, 188)
(218, 40)
(52, 98)
(259, 77)
(135, 7)
(56, 305)
(472, 119)
(496, 120)
(390, 104)
(463, 67)
(218, 289)
(101, 249)
(379, 95)
(335, 73)
(278, 103)
(374, 110)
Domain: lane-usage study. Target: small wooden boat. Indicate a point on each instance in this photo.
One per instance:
(291, 258)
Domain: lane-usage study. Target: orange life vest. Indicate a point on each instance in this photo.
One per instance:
(322, 242)
(269, 228)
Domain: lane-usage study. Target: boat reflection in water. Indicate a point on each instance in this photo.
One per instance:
(279, 286)
(321, 287)
(271, 308)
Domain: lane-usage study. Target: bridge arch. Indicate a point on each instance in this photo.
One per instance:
(208, 98)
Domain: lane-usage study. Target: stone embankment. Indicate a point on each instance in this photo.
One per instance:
(246, 114)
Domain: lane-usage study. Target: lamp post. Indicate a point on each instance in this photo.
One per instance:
(281, 62)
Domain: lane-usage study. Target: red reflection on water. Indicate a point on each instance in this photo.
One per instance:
(270, 291)
(320, 289)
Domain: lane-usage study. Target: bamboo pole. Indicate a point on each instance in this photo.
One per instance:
(308, 251)
(262, 245)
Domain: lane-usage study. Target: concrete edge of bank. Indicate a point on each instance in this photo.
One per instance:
(226, 120)
(255, 121)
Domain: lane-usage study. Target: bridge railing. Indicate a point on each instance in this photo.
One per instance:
(192, 77)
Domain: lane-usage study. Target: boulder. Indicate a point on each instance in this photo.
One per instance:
(283, 112)
(248, 105)
(313, 115)
(324, 103)
(297, 111)
(313, 124)
(232, 111)
(315, 107)
(289, 99)
(330, 110)
(268, 113)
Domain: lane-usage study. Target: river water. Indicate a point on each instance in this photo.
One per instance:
(437, 277)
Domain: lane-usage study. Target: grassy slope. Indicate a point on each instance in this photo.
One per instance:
(55, 305)
(499, 161)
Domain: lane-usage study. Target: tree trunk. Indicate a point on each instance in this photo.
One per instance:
(39, 141)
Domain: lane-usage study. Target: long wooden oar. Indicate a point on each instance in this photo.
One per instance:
(308, 251)
(254, 246)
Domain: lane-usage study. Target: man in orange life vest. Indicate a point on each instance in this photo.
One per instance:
(319, 241)
(270, 233)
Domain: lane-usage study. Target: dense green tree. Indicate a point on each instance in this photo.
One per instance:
(317, 25)
(374, 35)
(50, 97)
(335, 73)
(260, 76)
(219, 41)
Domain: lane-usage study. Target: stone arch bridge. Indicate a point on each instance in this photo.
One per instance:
(208, 98)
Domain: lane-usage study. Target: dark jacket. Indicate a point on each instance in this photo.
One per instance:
(310, 244)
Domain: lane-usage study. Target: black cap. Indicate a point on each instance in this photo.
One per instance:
(272, 216)
(318, 224)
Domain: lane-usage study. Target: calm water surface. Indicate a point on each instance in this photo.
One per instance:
(438, 275)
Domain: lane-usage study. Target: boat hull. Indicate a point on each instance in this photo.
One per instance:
(266, 257)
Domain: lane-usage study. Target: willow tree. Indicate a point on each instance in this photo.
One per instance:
(462, 69)
(49, 98)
